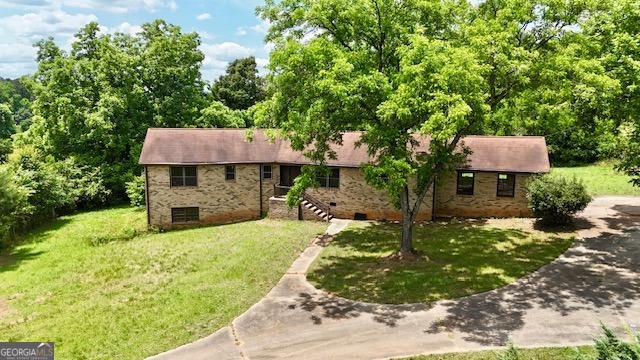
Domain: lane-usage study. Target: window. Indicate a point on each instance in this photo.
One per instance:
(185, 214)
(506, 185)
(465, 183)
(230, 172)
(330, 181)
(267, 172)
(184, 176)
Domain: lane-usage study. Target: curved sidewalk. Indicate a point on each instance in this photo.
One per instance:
(560, 304)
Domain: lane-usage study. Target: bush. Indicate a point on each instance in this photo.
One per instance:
(555, 199)
(611, 348)
(13, 205)
(135, 191)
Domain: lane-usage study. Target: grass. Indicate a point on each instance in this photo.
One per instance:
(466, 257)
(549, 353)
(100, 287)
(600, 179)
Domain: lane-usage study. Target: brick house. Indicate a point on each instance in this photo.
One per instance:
(215, 175)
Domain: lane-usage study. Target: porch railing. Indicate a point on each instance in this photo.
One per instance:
(280, 190)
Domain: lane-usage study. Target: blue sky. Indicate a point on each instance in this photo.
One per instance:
(229, 29)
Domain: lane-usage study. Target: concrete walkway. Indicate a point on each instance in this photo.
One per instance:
(560, 304)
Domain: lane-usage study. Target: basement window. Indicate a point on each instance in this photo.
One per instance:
(184, 176)
(230, 172)
(465, 183)
(185, 214)
(330, 181)
(506, 185)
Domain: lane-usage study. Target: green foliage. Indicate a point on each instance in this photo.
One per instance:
(13, 205)
(14, 94)
(218, 114)
(511, 353)
(614, 39)
(136, 191)
(48, 189)
(7, 127)
(86, 183)
(96, 103)
(610, 347)
(555, 199)
(369, 67)
(241, 87)
(6, 146)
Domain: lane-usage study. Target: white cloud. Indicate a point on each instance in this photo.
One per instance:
(127, 28)
(116, 6)
(262, 63)
(38, 25)
(241, 31)
(17, 60)
(120, 6)
(204, 16)
(225, 51)
(17, 53)
(218, 56)
(262, 27)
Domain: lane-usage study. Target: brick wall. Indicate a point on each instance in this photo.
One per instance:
(355, 196)
(219, 200)
(278, 209)
(484, 201)
(223, 200)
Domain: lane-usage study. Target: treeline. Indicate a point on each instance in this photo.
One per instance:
(91, 109)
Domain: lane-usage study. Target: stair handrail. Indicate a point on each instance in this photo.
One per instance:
(318, 203)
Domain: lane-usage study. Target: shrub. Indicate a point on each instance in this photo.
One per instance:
(135, 191)
(609, 347)
(555, 199)
(13, 205)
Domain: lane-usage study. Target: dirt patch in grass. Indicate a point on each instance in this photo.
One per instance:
(459, 257)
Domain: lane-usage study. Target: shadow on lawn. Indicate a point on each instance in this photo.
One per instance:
(466, 258)
(12, 257)
(596, 275)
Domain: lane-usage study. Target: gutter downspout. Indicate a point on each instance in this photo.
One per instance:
(146, 194)
(433, 199)
(260, 176)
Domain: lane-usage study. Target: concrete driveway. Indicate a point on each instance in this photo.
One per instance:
(560, 304)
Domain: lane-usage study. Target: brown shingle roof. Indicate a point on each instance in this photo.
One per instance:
(527, 154)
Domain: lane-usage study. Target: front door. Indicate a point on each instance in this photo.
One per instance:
(288, 173)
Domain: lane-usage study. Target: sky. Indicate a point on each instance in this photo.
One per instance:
(229, 29)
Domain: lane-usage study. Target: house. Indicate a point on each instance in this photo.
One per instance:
(216, 175)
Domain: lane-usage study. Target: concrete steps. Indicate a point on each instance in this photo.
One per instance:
(316, 210)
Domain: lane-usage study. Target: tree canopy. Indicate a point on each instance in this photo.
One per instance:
(438, 68)
(97, 102)
(241, 87)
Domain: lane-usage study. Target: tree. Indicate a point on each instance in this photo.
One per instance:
(614, 39)
(441, 69)
(96, 103)
(7, 127)
(382, 68)
(241, 87)
(542, 79)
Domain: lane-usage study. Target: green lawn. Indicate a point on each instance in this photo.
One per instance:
(466, 257)
(600, 179)
(135, 298)
(550, 353)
